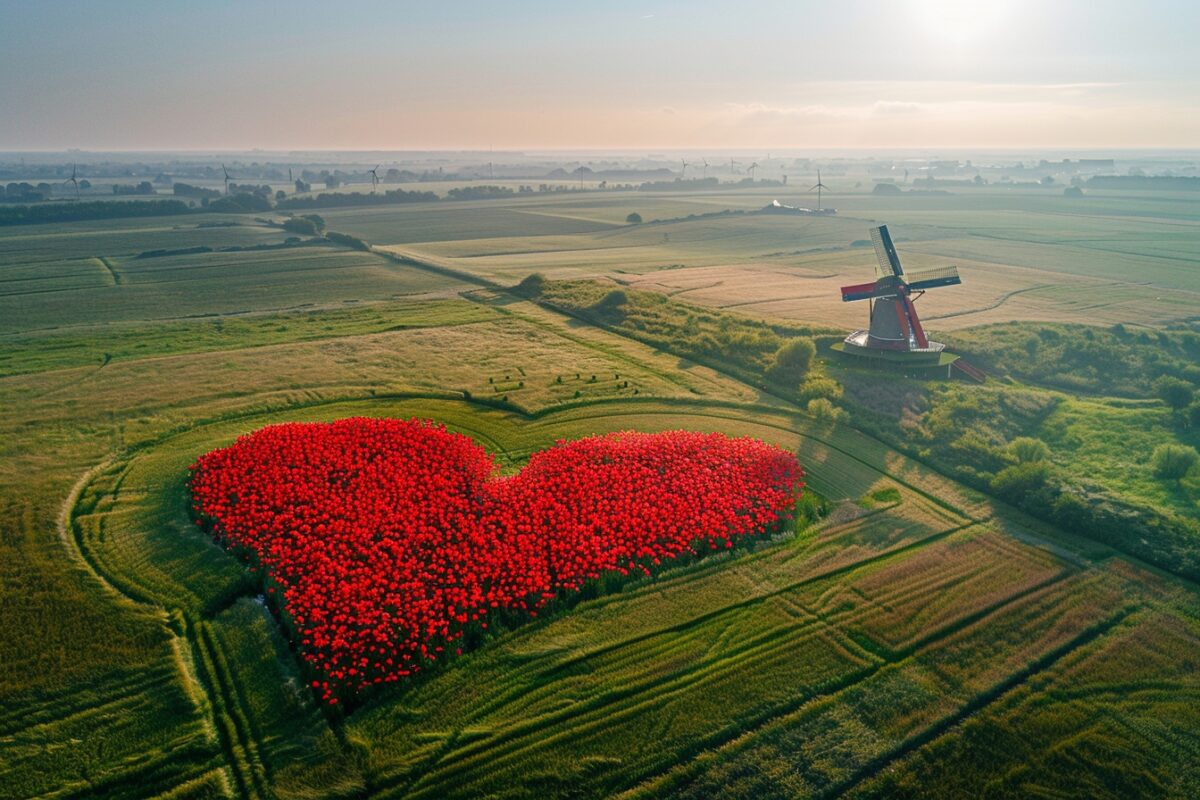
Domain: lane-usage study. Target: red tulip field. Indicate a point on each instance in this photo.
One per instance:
(386, 543)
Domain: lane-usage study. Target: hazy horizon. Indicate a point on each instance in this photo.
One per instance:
(532, 76)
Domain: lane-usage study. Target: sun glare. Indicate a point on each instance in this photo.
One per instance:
(958, 23)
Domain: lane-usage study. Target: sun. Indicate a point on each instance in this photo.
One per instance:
(958, 23)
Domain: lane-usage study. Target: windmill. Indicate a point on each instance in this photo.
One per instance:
(751, 169)
(226, 178)
(894, 325)
(374, 178)
(819, 186)
(72, 180)
(704, 172)
(733, 165)
(683, 172)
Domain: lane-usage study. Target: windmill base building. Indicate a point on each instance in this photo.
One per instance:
(895, 336)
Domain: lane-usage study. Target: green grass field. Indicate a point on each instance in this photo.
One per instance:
(922, 639)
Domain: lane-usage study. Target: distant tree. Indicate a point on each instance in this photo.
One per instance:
(530, 286)
(84, 183)
(792, 361)
(1173, 461)
(1072, 191)
(240, 204)
(634, 218)
(1176, 393)
(1027, 450)
(315, 219)
(1047, 181)
(346, 240)
(302, 187)
(613, 303)
(304, 227)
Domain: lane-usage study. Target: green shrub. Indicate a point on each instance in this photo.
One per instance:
(1176, 393)
(1015, 482)
(822, 409)
(792, 362)
(1026, 449)
(634, 218)
(1173, 461)
(1071, 511)
(815, 386)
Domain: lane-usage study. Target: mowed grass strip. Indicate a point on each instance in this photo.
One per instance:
(75, 346)
(188, 286)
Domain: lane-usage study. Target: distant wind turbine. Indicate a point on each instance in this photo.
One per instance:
(733, 165)
(683, 172)
(704, 172)
(223, 169)
(751, 169)
(818, 186)
(374, 178)
(72, 180)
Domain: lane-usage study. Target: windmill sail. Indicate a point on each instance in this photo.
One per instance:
(932, 278)
(885, 252)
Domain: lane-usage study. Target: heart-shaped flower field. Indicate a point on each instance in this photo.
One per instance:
(390, 541)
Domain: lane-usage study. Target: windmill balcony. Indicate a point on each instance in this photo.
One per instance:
(863, 339)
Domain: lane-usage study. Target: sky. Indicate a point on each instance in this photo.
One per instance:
(357, 75)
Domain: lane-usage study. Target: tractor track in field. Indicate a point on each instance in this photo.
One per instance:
(644, 787)
(605, 709)
(112, 271)
(980, 702)
(226, 712)
(1004, 298)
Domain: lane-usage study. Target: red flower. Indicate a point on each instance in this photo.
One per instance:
(389, 541)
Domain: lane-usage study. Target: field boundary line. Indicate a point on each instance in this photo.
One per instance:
(510, 739)
(112, 272)
(978, 703)
(898, 658)
(69, 537)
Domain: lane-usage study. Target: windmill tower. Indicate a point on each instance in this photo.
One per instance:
(751, 169)
(683, 172)
(223, 169)
(819, 186)
(894, 326)
(704, 171)
(374, 178)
